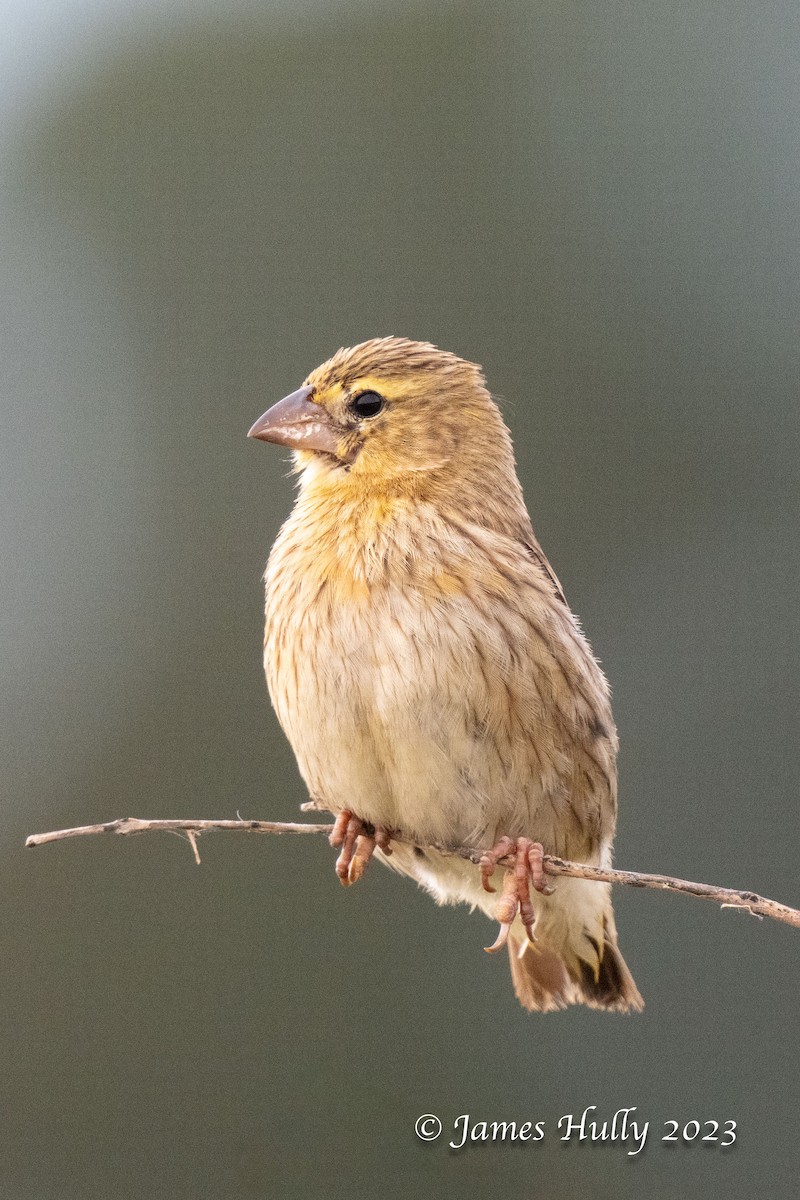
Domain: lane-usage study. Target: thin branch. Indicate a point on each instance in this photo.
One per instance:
(757, 905)
(126, 825)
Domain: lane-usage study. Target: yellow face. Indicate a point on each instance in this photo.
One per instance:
(385, 409)
(383, 423)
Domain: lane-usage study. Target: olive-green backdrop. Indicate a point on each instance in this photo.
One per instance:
(599, 202)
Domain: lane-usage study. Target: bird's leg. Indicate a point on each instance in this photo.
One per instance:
(528, 869)
(357, 840)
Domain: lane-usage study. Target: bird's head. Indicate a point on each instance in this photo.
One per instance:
(392, 414)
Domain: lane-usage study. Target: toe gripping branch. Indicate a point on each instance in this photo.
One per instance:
(356, 840)
(528, 869)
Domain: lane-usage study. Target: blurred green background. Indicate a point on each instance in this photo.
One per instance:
(200, 202)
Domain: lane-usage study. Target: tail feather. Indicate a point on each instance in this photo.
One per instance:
(545, 982)
(612, 988)
(541, 982)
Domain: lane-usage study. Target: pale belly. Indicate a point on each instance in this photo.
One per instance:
(396, 720)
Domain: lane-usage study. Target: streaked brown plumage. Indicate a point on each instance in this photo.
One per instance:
(423, 661)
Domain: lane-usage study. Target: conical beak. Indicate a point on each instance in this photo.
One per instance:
(297, 422)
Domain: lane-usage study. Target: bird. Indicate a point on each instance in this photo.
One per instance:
(423, 662)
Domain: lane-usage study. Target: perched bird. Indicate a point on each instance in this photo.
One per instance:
(426, 668)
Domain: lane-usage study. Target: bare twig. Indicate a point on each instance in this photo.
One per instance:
(126, 825)
(757, 905)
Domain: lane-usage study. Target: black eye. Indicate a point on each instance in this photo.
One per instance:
(368, 404)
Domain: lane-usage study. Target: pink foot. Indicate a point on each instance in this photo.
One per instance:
(528, 869)
(357, 840)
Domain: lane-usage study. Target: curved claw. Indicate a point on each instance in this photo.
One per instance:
(502, 937)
